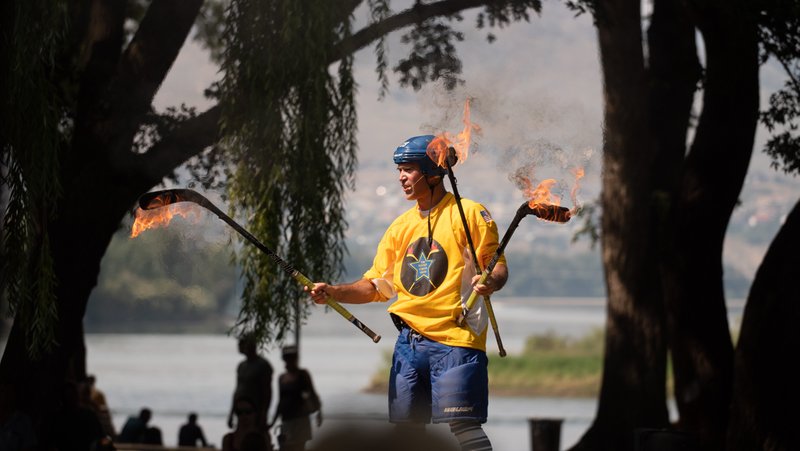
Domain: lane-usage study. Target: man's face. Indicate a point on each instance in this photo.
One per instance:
(412, 181)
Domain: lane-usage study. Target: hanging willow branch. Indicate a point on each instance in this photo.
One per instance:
(289, 125)
(29, 142)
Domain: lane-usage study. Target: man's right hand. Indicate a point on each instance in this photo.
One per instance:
(319, 293)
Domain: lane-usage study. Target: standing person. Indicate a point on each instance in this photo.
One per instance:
(191, 433)
(253, 381)
(439, 370)
(248, 434)
(297, 400)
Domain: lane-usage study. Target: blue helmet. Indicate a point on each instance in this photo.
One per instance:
(415, 150)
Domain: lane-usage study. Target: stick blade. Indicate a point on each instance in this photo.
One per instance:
(162, 198)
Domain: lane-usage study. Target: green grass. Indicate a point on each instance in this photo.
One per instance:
(550, 365)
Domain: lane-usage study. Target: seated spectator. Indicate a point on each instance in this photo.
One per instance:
(191, 433)
(137, 430)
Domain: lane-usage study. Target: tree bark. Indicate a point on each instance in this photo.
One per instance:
(632, 393)
(765, 392)
(712, 177)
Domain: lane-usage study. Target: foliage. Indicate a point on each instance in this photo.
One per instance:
(167, 277)
(30, 142)
(285, 111)
(779, 36)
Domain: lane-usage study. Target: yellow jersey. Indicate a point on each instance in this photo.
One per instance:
(433, 278)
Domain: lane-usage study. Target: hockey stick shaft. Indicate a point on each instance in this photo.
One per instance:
(486, 300)
(157, 199)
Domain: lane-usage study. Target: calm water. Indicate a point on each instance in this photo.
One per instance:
(175, 374)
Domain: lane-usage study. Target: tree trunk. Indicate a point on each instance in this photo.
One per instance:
(632, 394)
(101, 179)
(712, 179)
(765, 393)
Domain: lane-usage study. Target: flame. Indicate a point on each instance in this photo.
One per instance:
(541, 195)
(440, 145)
(160, 217)
(578, 173)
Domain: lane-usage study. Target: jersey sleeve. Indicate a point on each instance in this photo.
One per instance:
(381, 274)
(485, 235)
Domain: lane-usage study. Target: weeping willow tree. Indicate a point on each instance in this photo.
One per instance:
(285, 111)
(30, 142)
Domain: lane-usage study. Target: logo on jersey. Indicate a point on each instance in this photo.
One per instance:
(424, 268)
(486, 216)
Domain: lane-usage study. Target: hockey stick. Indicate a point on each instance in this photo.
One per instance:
(451, 155)
(158, 199)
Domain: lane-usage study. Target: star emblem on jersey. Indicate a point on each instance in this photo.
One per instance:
(424, 267)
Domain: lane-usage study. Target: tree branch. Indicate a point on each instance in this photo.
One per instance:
(99, 26)
(189, 139)
(418, 13)
(148, 58)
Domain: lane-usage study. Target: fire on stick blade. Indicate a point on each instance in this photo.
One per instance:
(158, 211)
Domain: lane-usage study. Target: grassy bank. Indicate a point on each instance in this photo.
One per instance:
(549, 365)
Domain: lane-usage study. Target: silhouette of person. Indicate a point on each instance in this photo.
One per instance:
(16, 428)
(297, 401)
(191, 432)
(253, 380)
(98, 402)
(76, 426)
(134, 427)
(248, 430)
(138, 430)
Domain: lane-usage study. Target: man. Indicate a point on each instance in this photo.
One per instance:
(191, 433)
(298, 399)
(253, 381)
(439, 370)
(135, 428)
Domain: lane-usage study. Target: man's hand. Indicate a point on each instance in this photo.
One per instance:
(319, 293)
(493, 282)
(486, 288)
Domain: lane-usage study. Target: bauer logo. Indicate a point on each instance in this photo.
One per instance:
(458, 409)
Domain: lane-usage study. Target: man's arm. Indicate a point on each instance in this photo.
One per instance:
(359, 292)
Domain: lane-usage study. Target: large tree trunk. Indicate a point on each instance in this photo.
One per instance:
(765, 393)
(634, 371)
(712, 178)
(101, 179)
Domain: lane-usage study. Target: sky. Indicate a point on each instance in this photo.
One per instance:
(536, 94)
